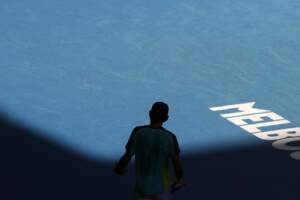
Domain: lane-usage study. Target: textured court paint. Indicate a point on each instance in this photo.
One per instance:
(282, 137)
(86, 72)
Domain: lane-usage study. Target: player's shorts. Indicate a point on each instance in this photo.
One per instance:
(163, 196)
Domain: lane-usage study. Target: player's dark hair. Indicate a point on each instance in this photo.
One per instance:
(159, 112)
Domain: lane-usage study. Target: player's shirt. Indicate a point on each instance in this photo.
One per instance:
(153, 148)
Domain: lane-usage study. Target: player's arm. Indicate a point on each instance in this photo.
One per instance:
(123, 163)
(178, 183)
(178, 171)
(175, 151)
(125, 159)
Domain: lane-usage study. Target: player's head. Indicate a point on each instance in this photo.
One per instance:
(159, 112)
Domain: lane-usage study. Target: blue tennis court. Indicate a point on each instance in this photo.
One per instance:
(83, 74)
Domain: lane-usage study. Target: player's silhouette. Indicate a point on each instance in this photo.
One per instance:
(154, 147)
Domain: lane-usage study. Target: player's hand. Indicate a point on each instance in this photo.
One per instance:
(178, 184)
(119, 170)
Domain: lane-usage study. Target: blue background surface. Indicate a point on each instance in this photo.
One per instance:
(87, 72)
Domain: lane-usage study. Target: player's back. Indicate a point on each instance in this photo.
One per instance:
(152, 148)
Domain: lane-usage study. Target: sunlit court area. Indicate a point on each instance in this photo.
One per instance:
(76, 77)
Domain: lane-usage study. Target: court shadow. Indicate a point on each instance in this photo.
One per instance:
(35, 168)
(254, 172)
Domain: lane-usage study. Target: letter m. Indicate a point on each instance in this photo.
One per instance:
(242, 109)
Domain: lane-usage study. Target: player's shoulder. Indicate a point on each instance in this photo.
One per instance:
(138, 128)
(169, 132)
(174, 139)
